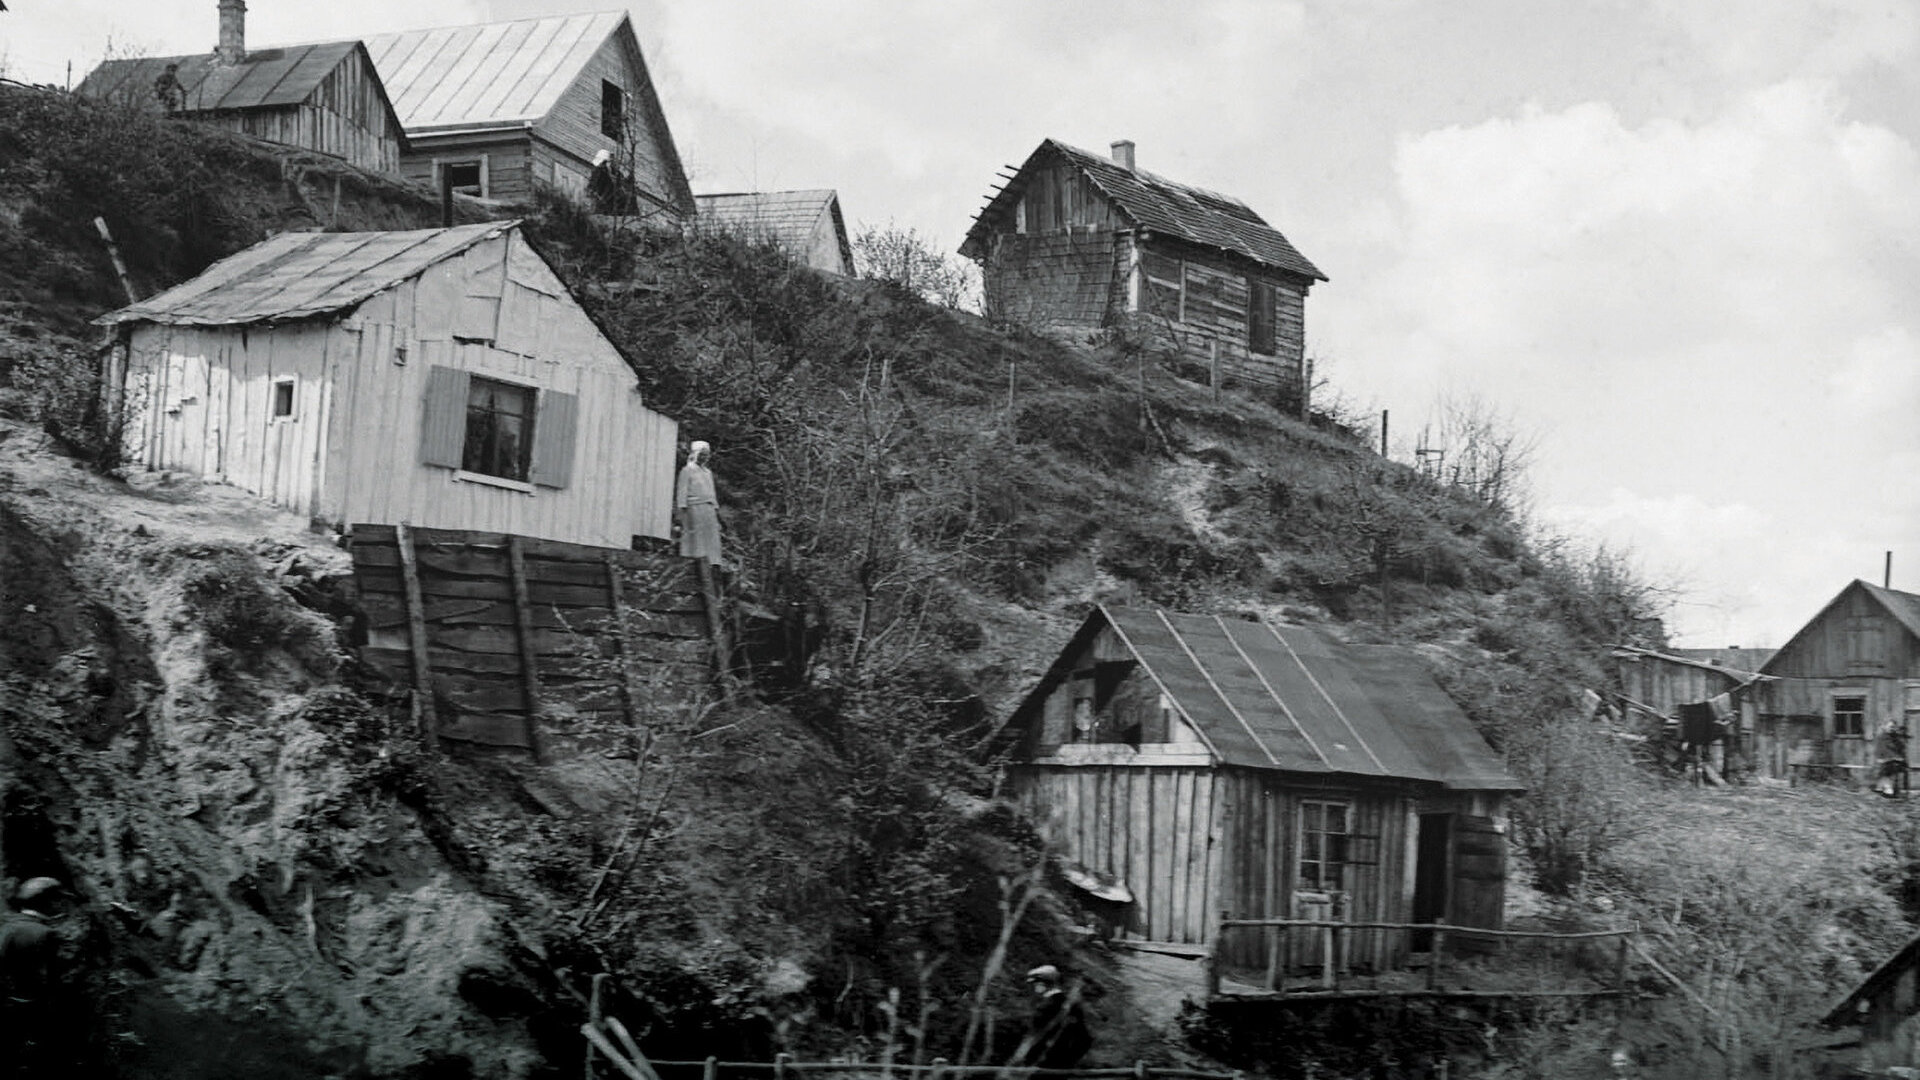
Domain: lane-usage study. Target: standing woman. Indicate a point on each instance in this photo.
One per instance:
(695, 508)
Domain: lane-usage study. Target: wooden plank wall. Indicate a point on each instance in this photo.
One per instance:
(1666, 685)
(1198, 307)
(1795, 723)
(1192, 841)
(474, 643)
(344, 116)
(510, 175)
(1058, 280)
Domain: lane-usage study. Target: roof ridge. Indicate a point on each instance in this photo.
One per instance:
(502, 22)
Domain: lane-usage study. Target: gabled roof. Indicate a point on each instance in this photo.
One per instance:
(487, 75)
(1846, 1010)
(1903, 606)
(1159, 205)
(784, 218)
(267, 78)
(1284, 697)
(302, 275)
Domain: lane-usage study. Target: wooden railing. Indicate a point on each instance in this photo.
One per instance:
(1331, 951)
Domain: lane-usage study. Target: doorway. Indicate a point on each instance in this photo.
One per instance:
(1431, 873)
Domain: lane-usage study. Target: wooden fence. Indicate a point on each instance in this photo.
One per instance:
(491, 630)
(1527, 963)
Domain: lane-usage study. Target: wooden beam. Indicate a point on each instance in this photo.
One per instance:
(417, 639)
(523, 628)
(617, 600)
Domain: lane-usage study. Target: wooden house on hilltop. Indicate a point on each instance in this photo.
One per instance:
(1079, 241)
(325, 97)
(442, 377)
(805, 224)
(499, 108)
(1842, 696)
(1219, 764)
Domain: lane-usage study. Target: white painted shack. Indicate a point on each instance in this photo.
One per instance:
(442, 377)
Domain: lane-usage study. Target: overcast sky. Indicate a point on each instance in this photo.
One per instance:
(1675, 240)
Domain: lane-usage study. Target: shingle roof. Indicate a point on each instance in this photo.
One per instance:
(1155, 203)
(785, 218)
(490, 74)
(301, 275)
(267, 78)
(1283, 697)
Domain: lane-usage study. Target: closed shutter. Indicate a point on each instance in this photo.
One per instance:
(443, 435)
(1260, 335)
(553, 438)
(1479, 882)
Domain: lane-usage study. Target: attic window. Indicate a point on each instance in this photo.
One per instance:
(613, 110)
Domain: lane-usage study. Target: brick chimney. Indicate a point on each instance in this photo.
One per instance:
(233, 31)
(1122, 152)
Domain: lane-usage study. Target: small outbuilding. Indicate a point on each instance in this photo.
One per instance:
(1885, 1007)
(442, 377)
(1842, 697)
(1081, 242)
(324, 96)
(1213, 763)
(805, 224)
(496, 110)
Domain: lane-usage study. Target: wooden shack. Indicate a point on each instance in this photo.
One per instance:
(1081, 242)
(1885, 1007)
(1217, 764)
(805, 224)
(1840, 688)
(325, 97)
(441, 377)
(498, 109)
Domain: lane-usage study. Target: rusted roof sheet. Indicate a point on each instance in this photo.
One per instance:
(1285, 697)
(492, 74)
(784, 218)
(267, 78)
(302, 275)
(1160, 205)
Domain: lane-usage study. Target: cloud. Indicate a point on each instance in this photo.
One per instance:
(1770, 39)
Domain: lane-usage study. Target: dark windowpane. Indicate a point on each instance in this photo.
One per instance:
(499, 429)
(613, 110)
(1260, 317)
(283, 399)
(464, 176)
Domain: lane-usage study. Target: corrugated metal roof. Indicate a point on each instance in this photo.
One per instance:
(1155, 203)
(267, 78)
(785, 218)
(489, 74)
(300, 275)
(1277, 697)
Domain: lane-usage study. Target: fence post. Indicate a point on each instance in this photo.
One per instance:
(1620, 963)
(1274, 935)
(1439, 951)
(1213, 956)
(938, 1068)
(711, 1070)
(1139, 1069)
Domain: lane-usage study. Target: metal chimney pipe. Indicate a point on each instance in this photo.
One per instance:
(1886, 575)
(233, 31)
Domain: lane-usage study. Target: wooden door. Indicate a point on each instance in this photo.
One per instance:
(1479, 880)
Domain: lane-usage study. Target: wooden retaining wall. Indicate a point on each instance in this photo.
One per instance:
(509, 632)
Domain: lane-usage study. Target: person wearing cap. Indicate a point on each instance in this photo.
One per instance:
(27, 943)
(1057, 1037)
(696, 509)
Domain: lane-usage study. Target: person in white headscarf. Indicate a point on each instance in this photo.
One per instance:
(695, 509)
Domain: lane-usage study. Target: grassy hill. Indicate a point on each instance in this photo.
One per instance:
(267, 866)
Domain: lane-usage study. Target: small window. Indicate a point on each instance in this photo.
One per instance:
(613, 110)
(283, 399)
(464, 176)
(1260, 335)
(1324, 833)
(1849, 716)
(499, 429)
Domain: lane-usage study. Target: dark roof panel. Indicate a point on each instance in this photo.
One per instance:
(267, 78)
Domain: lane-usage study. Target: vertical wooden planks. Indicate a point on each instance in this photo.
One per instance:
(417, 636)
(523, 629)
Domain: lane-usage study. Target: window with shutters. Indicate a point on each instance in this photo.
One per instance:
(1260, 335)
(499, 430)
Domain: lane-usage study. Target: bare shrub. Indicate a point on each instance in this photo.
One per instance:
(905, 258)
(1582, 791)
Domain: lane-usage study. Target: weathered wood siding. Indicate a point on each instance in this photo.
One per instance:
(506, 160)
(345, 116)
(1197, 304)
(352, 449)
(1664, 685)
(1191, 841)
(572, 133)
(1854, 636)
(1060, 280)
